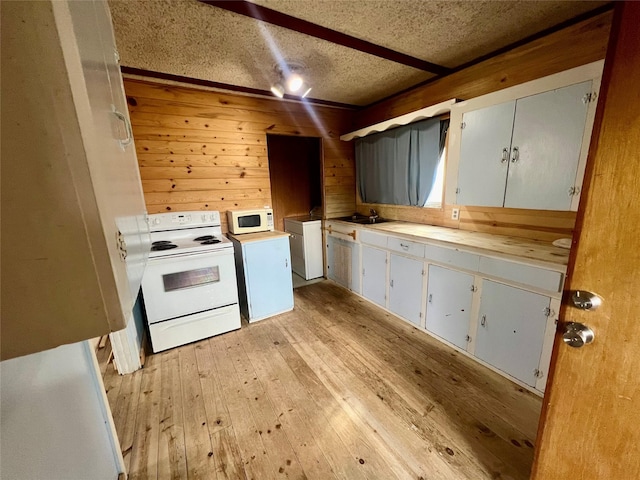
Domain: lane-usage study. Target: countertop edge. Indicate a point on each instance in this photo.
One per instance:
(258, 236)
(560, 265)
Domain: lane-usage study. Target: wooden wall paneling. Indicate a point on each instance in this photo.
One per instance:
(207, 150)
(579, 44)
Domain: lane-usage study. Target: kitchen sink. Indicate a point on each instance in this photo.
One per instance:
(362, 220)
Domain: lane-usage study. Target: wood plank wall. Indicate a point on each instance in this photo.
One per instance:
(576, 45)
(206, 150)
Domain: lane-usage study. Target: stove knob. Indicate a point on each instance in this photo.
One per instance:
(204, 218)
(156, 221)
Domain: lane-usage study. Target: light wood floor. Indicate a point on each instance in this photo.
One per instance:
(335, 389)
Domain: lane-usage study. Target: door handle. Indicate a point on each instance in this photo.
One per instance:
(515, 156)
(127, 126)
(505, 155)
(577, 335)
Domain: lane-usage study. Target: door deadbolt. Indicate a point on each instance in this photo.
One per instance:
(577, 335)
(585, 300)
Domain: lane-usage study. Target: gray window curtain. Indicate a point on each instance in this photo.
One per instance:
(398, 166)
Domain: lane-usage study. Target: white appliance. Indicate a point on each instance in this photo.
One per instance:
(250, 221)
(189, 286)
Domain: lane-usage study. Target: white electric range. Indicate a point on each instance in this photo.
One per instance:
(189, 286)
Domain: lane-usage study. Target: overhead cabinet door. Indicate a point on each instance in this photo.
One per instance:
(484, 155)
(545, 149)
(524, 153)
(511, 330)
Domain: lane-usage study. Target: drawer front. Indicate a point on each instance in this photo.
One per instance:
(293, 226)
(405, 246)
(449, 256)
(373, 239)
(183, 330)
(525, 274)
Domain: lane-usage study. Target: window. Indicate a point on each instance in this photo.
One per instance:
(437, 190)
(403, 166)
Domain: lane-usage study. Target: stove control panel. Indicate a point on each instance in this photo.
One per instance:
(181, 218)
(172, 221)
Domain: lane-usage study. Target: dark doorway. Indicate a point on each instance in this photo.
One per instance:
(296, 176)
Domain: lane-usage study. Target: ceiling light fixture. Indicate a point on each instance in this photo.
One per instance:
(290, 75)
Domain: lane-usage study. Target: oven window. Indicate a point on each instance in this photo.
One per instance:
(191, 278)
(249, 221)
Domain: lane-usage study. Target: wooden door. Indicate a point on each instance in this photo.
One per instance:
(405, 287)
(295, 176)
(590, 426)
(483, 169)
(547, 133)
(449, 298)
(511, 330)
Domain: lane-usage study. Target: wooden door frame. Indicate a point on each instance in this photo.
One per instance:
(604, 136)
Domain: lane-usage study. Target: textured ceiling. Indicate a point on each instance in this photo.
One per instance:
(191, 39)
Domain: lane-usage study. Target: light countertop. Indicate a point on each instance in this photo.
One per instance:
(304, 218)
(515, 247)
(258, 236)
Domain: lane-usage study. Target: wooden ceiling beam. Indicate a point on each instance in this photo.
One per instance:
(274, 17)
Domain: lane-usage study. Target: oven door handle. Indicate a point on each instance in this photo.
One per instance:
(178, 322)
(181, 256)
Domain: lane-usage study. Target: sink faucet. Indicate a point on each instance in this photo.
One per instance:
(373, 213)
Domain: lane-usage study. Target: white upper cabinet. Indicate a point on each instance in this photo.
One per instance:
(484, 155)
(525, 146)
(545, 148)
(73, 187)
(524, 153)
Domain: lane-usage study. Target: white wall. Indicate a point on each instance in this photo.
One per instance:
(53, 418)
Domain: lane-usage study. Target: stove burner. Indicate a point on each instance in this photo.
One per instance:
(163, 246)
(210, 241)
(161, 242)
(203, 238)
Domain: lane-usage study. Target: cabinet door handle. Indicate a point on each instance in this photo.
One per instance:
(127, 126)
(404, 247)
(505, 155)
(483, 320)
(391, 283)
(430, 297)
(286, 263)
(515, 155)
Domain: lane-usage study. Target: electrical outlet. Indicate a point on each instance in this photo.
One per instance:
(455, 214)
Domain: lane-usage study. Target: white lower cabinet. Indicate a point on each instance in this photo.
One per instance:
(306, 246)
(406, 279)
(458, 296)
(374, 275)
(511, 330)
(449, 298)
(343, 262)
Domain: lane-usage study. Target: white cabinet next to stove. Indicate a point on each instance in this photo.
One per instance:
(75, 241)
(263, 268)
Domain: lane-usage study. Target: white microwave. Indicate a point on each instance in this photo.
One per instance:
(250, 221)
